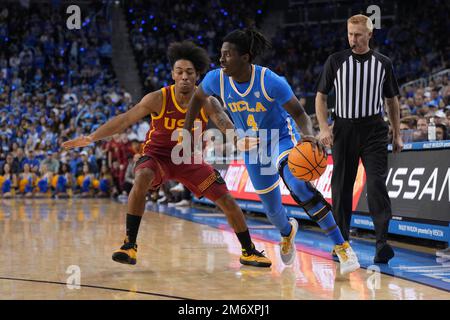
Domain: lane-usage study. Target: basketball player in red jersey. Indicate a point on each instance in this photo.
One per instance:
(167, 107)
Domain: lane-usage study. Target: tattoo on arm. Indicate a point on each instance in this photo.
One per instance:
(218, 116)
(222, 121)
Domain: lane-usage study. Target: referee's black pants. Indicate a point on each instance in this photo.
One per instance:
(366, 139)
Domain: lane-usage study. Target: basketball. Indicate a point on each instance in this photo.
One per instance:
(307, 163)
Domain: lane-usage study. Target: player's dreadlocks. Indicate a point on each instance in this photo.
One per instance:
(188, 50)
(248, 41)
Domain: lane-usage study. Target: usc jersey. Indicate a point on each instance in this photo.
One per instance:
(162, 136)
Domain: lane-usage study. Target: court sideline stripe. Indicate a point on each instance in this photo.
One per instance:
(98, 287)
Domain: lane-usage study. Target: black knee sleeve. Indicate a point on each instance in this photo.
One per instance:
(307, 205)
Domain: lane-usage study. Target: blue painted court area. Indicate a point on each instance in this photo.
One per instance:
(407, 264)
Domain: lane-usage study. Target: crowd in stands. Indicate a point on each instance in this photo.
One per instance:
(155, 24)
(415, 41)
(56, 83)
(419, 106)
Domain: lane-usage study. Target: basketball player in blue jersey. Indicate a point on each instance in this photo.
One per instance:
(258, 101)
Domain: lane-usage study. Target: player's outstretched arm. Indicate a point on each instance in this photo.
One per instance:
(151, 102)
(198, 100)
(217, 114)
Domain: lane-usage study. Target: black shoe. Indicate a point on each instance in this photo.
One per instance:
(384, 253)
(254, 258)
(127, 254)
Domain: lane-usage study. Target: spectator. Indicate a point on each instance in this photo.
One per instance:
(129, 175)
(51, 162)
(87, 158)
(86, 182)
(8, 182)
(75, 163)
(406, 130)
(26, 181)
(20, 158)
(405, 111)
(43, 183)
(63, 182)
(13, 164)
(32, 161)
(436, 99)
(114, 150)
(185, 195)
(441, 132)
(422, 130)
(169, 197)
(406, 124)
(117, 176)
(106, 187)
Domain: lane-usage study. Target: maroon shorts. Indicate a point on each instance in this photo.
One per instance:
(202, 179)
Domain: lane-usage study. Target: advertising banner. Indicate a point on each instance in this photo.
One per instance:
(418, 184)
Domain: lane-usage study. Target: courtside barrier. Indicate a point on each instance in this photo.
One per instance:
(418, 183)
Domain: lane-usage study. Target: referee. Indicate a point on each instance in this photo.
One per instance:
(361, 79)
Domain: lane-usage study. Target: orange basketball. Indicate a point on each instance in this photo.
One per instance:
(307, 163)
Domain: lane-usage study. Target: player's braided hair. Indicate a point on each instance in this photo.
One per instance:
(248, 41)
(188, 50)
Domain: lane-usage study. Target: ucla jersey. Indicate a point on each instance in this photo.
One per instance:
(254, 105)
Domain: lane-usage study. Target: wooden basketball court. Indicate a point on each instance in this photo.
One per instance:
(44, 240)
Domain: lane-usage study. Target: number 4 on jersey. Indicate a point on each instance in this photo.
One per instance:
(251, 122)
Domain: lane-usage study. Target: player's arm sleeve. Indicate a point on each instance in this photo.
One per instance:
(325, 82)
(390, 86)
(277, 87)
(211, 83)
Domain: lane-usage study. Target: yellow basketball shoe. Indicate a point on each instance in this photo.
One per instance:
(287, 246)
(347, 258)
(126, 254)
(254, 258)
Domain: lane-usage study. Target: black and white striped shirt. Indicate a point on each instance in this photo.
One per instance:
(360, 82)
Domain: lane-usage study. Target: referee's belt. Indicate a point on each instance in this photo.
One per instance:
(362, 120)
